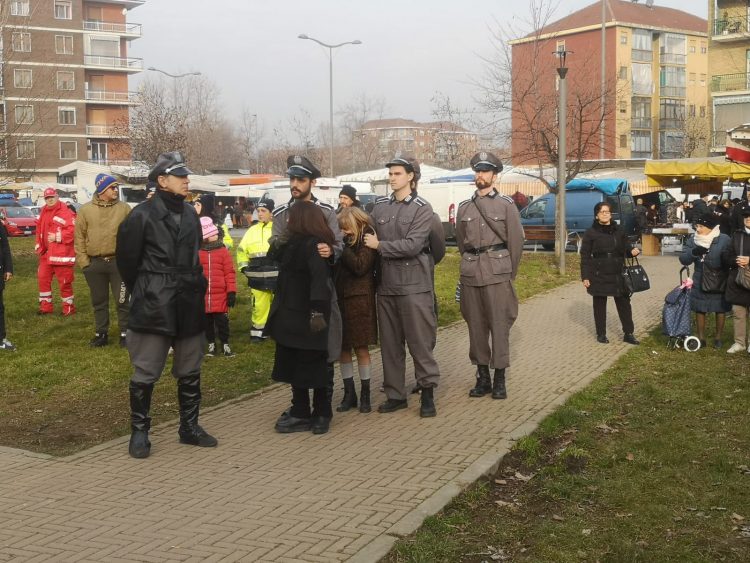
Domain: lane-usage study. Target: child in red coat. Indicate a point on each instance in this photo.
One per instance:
(221, 293)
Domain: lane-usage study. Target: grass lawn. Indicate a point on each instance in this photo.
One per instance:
(60, 396)
(649, 463)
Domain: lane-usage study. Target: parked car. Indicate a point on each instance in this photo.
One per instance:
(35, 209)
(21, 218)
(13, 231)
(7, 200)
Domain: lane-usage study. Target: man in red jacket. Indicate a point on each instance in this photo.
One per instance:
(54, 245)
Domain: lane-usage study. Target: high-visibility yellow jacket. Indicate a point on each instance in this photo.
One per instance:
(251, 253)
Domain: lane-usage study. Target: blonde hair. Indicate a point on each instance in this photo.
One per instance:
(355, 220)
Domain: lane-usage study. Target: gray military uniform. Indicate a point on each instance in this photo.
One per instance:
(405, 292)
(490, 256)
(335, 327)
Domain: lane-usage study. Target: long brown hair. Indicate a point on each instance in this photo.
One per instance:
(355, 220)
(307, 219)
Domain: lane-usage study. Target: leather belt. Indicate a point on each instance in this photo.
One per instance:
(480, 250)
(105, 258)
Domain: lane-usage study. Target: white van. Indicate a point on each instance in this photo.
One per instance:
(444, 198)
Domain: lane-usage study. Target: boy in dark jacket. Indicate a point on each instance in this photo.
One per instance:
(6, 273)
(221, 293)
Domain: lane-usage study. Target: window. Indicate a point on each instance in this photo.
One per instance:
(21, 42)
(19, 8)
(68, 150)
(692, 79)
(623, 39)
(623, 106)
(66, 115)
(703, 79)
(63, 10)
(22, 78)
(535, 210)
(642, 79)
(623, 73)
(623, 141)
(64, 44)
(66, 80)
(691, 110)
(640, 144)
(672, 48)
(672, 81)
(640, 113)
(24, 115)
(26, 149)
(703, 111)
(692, 46)
(642, 45)
(704, 48)
(671, 113)
(671, 143)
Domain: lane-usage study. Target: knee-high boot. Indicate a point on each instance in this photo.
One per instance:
(140, 422)
(189, 397)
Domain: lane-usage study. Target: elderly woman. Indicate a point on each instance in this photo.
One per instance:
(705, 248)
(603, 252)
(735, 257)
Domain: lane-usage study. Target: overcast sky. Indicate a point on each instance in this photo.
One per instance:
(410, 49)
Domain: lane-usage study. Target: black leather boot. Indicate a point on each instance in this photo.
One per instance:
(189, 397)
(364, 397)
(484, 384)
(427, 406)
(350, 396)
(140, 423)
(100, 339)
(631, 339)
(498, 385)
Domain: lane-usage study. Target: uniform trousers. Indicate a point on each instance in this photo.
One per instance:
(624, 311)
(64, 275)
(407, 319)
(261, 307)
(2, 308)
(217, 323)
(102, 277)
(489, 312)
(148, 354)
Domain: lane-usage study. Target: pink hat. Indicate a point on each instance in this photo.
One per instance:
(50, 192)
(209, 229)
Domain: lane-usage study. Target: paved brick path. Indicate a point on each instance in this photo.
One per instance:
(345, 495)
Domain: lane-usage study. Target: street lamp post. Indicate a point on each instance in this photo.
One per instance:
(174, 78)
(330, 83)
(562, 118)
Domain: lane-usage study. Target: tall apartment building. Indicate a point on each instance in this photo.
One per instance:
(656, 64)
(438, 143)
(729, 61)
(65, 96)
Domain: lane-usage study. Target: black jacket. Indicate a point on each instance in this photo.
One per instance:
(301, 288)
(736, 294)
(603, 252)
(6, 259)
(158, 262)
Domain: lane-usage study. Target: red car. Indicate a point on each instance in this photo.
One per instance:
(19, 221)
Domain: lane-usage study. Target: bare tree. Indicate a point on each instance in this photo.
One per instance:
(363, 150)
(696, 137)
(249, 133)
(454, 144)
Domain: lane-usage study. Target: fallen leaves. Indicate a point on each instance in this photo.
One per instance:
(630, 457)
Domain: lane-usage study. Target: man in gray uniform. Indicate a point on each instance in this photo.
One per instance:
(490, 241)
(405, 292)
(302, 175)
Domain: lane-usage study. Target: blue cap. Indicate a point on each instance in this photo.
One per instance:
(104, 181)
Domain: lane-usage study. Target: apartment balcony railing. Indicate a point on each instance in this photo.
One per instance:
(640, 123)
(109, 96)
(730, 82)
(671, 123)
(113, 27)
(110, 162)
(724, 28)
(103, 131)
(642, 55)
(718, 140)
(672, 58)
(673, 91)
(124, 63)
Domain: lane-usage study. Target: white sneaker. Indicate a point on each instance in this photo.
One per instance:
(228, 351)
(6, 345)
(211, 349)
(734, 348)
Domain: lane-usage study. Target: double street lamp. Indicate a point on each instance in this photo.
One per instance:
(330, 79)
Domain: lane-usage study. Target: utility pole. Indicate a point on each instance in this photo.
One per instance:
(562, 118)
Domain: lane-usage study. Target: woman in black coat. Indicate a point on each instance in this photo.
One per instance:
(603, 252)
(734, 257)
(299, 317)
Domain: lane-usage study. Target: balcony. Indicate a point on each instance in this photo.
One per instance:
(127, 64)
(109, 97)
(672, 58)
(734, 28)
(641, 55)
(718, 141)
(640, 123)
(120, 28)
(666, 123)
(105, 131)
(672, 91)
(110, 162)
(736, 82)
(129, 4)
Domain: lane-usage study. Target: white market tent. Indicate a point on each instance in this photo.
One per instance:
(380, 175)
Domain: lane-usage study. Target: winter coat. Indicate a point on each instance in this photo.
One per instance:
(603, 252)
(252, 254)
(60, 222)
(6, 259)
(355, 287)
(701, 302)
(641, 217)
(303, 287)
(96, 229)
(158, 261)
(736, 294)
(218, 269)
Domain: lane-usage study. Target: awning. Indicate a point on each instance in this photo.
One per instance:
(692, 174)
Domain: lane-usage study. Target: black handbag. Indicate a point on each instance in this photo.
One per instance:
(713, 280)
(635, 277)
(743, 274)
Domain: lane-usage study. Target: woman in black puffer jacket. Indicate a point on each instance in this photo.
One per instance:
(603, 252)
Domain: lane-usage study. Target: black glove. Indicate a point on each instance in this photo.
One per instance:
(699, 251)
(231, 299)
(317, 322)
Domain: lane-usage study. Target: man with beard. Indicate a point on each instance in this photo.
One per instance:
(490, 240)
(406, 311)
(302, 176)
(157, 256)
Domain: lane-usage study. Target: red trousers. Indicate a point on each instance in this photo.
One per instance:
(64, 275)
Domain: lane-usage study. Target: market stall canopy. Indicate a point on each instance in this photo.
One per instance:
(695, 175)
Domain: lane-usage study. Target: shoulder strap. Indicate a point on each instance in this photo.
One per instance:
(490, 224)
